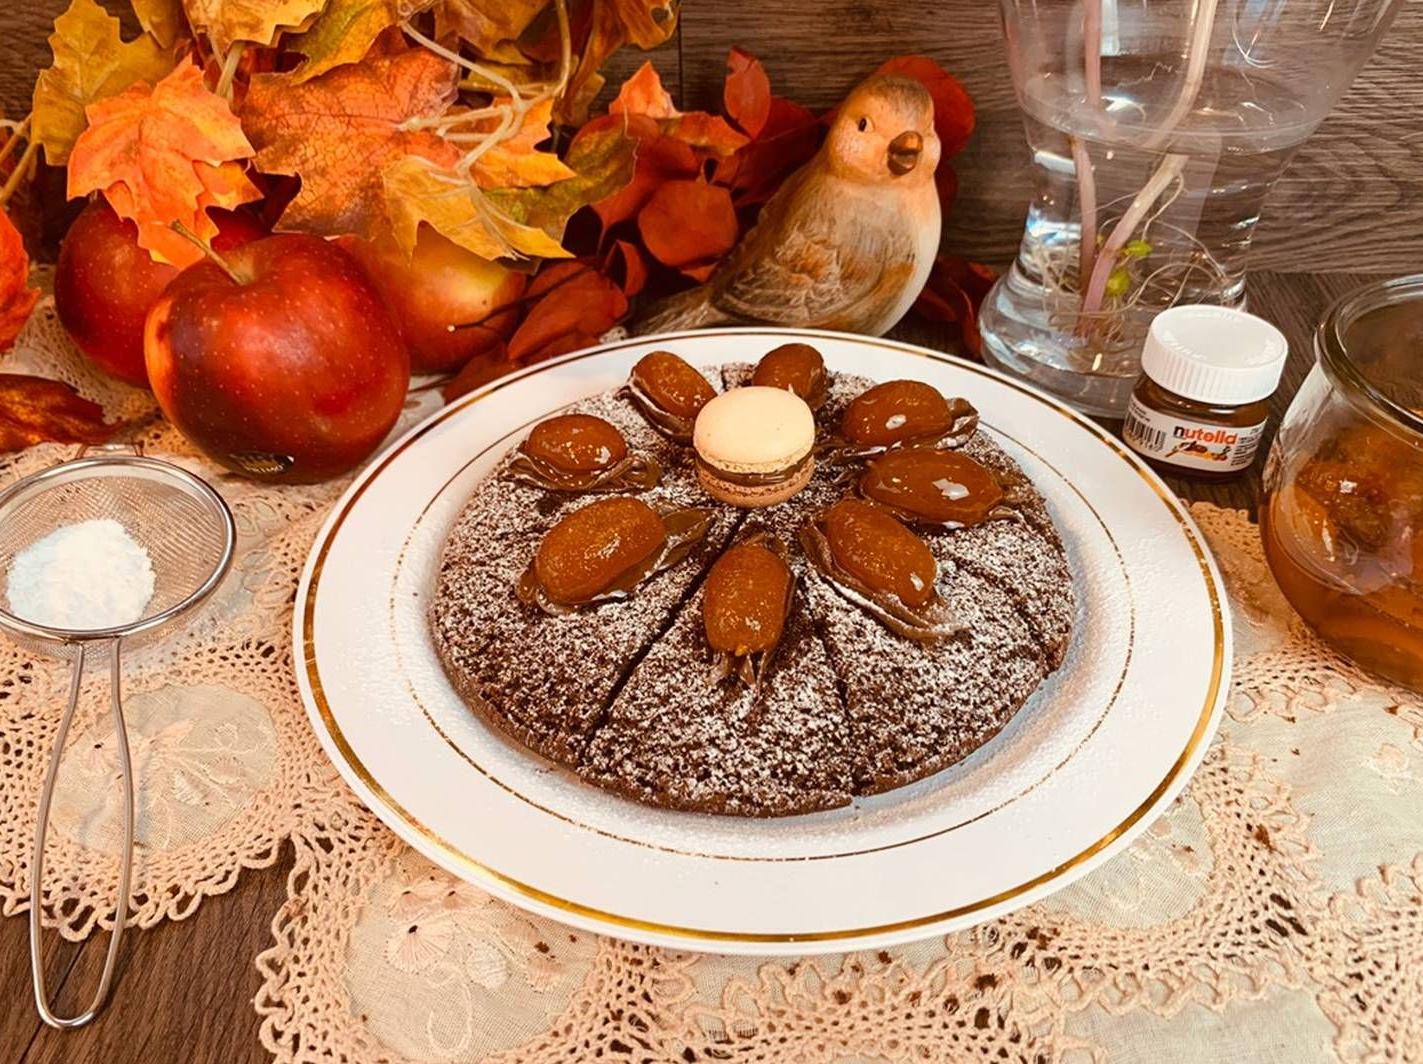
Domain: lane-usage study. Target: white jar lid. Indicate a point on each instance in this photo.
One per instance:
(1214, 354)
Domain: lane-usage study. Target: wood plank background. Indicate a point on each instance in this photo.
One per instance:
(1351, 201)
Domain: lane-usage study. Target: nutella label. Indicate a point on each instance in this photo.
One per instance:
(1190, 444)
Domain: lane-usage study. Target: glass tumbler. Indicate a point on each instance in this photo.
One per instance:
(1342, 519)
(1156, 128)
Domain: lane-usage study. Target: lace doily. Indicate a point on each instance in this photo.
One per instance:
(1276, 909)
(220, 743)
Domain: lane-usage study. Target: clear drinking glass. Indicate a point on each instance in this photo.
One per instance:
(1342, 520)
(1157, 128)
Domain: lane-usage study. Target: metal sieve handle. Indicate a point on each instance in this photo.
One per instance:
(42, 827)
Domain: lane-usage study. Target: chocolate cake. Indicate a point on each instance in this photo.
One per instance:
(624, 693)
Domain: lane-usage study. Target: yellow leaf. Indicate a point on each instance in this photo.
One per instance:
(162, 18)
(418, 190)
(645, 23)
(345, 32)
(91, 61)
(514, 162)
(602, 161)
(486, 24)
(163, 155)
(260, 21)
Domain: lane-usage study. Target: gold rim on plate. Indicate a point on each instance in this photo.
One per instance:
(478, 870)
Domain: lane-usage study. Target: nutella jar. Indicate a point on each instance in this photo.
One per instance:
(1201, 405)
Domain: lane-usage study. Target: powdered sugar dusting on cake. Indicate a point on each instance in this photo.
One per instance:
(624, 694)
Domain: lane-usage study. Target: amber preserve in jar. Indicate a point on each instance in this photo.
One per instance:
(1342, 519)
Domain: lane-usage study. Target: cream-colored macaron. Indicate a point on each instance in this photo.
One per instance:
(754, 446)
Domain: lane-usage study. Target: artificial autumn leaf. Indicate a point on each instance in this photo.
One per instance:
(486, 24)
(341, 132)
(710, 132)
(602, 160)
(746, 96)
(645, 23)
(506, 222)
(541, 43)
(953, 108)
(955, 290)
(575, 305)
(610, 25)
(345, 32)
(643, 94)
(688, 223)
(659, 159)
(17, 298)
(162, 156)
(91, 61)
(418, 190)
(35, 410)
(515, 162)
(162, 19)
(790, 137)
(670, 144)
(625, 260)
(260, 21)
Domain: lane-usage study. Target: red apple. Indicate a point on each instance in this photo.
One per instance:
(437, 293)
(289, 368)
(105, 284)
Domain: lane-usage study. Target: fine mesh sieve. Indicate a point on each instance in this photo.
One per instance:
(189, 534)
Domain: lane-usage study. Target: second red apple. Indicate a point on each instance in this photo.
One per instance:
(105, 284)
(451, 305)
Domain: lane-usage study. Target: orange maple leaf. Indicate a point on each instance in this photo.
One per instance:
(339, 133)
(162, 155)
(515, 161)
(643, 94)
(17, 298)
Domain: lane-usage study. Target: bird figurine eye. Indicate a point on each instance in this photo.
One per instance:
(863, 125)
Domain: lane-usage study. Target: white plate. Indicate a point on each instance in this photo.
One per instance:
(1088, 763)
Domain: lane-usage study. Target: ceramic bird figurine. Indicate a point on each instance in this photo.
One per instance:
(847, 242)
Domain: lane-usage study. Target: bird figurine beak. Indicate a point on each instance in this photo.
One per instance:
(904, 150)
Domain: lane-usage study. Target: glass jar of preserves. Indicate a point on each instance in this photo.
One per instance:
(1342, 518)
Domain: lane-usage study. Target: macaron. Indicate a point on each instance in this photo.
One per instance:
(755, 446)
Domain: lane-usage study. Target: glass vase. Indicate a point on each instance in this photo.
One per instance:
(1157, 128)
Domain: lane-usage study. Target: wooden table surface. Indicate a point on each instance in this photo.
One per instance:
(184, 990)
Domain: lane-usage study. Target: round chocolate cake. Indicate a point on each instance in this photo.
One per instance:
(627, 692)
